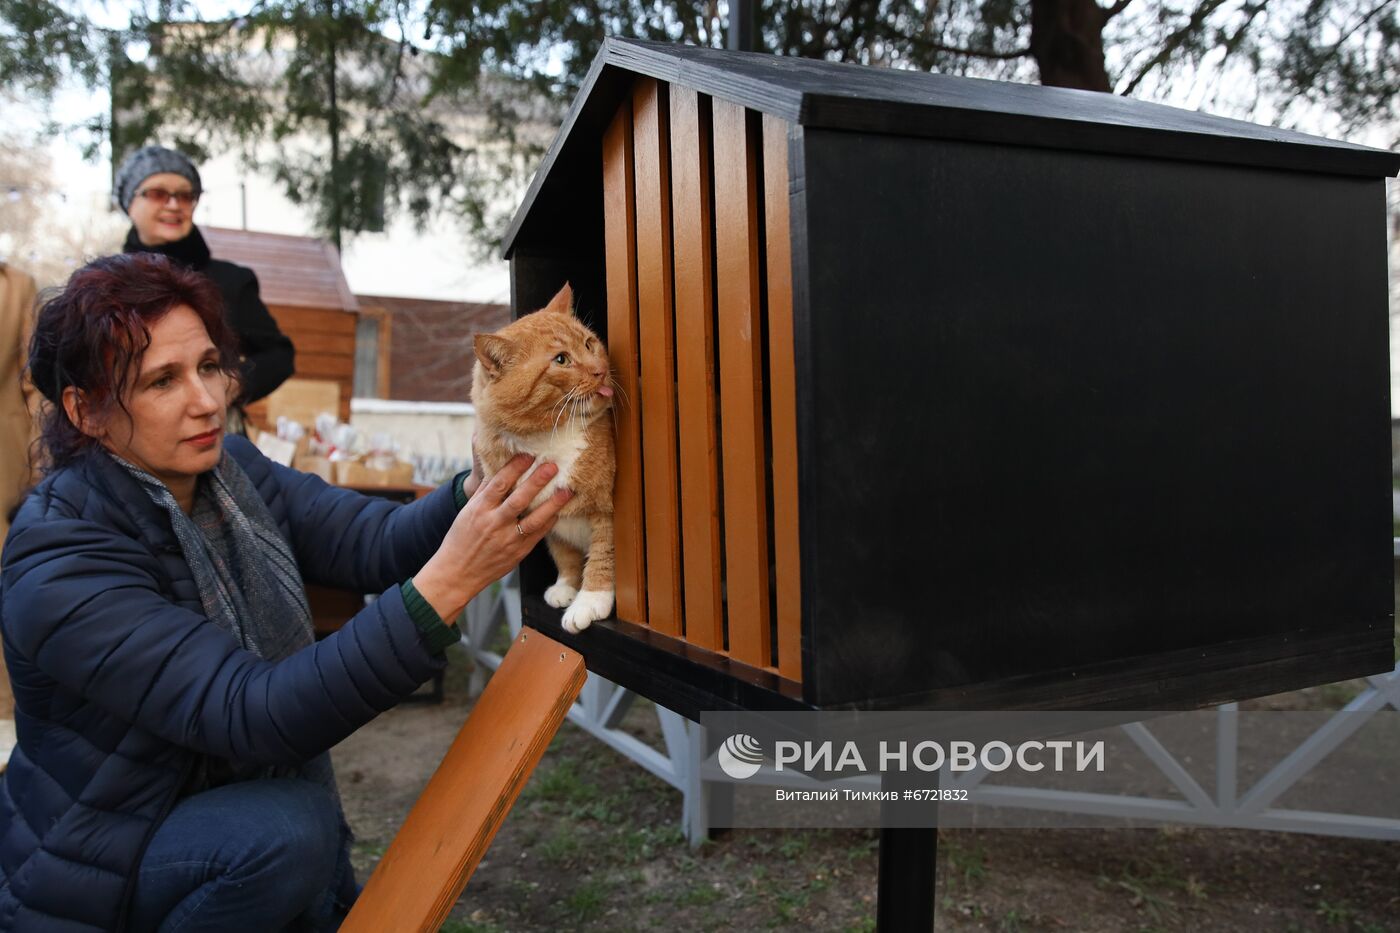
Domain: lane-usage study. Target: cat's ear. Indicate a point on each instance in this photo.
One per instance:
(562, 303)
(495, 353)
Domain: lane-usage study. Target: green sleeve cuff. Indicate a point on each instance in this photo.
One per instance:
(459, 495)
(436, 633)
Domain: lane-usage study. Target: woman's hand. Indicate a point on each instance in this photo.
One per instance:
(490, 536)
(473, 482)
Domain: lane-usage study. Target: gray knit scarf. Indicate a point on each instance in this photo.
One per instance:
(249, 586)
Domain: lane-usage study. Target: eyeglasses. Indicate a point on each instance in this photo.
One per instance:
(161, 196)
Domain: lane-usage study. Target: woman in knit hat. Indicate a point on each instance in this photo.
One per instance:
(158, 189)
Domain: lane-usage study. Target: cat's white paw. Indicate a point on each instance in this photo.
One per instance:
(560, 595)
(587, 608)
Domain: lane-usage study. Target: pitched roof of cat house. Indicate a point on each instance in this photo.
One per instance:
(829, 95)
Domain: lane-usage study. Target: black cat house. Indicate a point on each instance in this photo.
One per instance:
(960, 394)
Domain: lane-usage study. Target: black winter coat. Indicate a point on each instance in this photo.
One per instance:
(269, 358)
(120, 681)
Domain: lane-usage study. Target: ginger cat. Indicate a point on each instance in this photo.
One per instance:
(541, 386)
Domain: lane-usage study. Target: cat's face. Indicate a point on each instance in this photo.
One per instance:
(543, 371)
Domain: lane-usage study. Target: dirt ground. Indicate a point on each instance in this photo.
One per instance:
(595, 844)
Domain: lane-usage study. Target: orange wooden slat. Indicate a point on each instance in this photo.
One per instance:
(451, 825)
(324, 365)
(314, 320)
(311, 342)
(741, 383)
(782, 396)
(656, 340)
(620, 245)
(701, 554)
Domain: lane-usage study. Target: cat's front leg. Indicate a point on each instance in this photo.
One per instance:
(595, 600)
(569, 560)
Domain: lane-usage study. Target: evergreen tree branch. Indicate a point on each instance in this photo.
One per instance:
(1362, 22)
(1114, 10)
(930, 45)
(1192, 28)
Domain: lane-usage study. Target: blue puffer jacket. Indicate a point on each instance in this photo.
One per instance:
(120, 681)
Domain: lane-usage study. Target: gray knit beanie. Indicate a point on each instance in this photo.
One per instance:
(148, 161)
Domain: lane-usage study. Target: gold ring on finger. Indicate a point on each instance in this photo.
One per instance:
(519, 530)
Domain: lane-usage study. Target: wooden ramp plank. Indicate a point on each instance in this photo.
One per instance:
(450, 827)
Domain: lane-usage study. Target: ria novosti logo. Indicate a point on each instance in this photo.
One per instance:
(740, 756)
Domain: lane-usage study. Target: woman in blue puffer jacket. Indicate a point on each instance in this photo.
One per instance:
(174, 714)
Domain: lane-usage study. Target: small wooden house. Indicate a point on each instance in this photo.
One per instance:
(304, 288)
(962, 394)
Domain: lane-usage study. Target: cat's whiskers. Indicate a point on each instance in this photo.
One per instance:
(558, 408)
(612, 381)
(576, 412)
(563, 405)
(562, 402)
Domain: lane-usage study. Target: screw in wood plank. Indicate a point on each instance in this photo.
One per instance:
(561, 655)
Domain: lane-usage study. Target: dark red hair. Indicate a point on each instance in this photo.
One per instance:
(93, 334)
